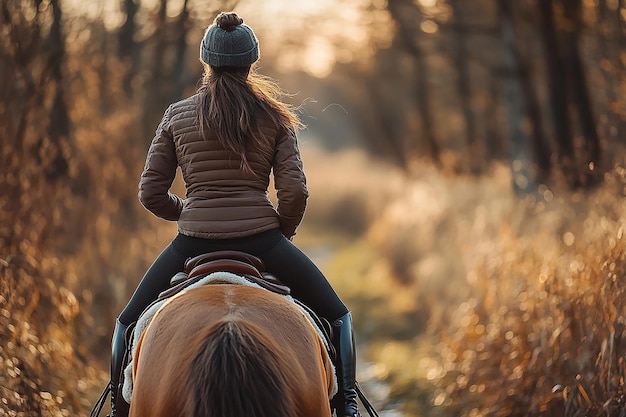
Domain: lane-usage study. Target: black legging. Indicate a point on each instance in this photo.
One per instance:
(282, 258)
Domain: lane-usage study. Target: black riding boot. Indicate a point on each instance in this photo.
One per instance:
(119, 407)
(343, 339)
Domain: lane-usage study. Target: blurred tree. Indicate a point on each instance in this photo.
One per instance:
(550, 98)
(59, 127)
(557, 91)
(406, 16)
(461, 61)
(494, 148)
(568, 90)
(522, 176)
(578, 84)
(530, 154)
(155, 99)
(390, 139)
(182, 28)
(35, 126)
(128, 48)
(609, 31)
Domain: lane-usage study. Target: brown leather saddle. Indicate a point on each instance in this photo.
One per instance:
(239, 263)
(247, 266)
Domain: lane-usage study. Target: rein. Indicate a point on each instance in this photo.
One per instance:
(368, 406)
(99, 405)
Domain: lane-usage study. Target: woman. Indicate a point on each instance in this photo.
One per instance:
(226, 140)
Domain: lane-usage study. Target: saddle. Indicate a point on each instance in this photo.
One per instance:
(239, 263)
(247, 266)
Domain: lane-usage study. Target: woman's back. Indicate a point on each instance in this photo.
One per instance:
(222, 199)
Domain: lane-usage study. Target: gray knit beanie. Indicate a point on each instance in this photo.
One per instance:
(229, 43)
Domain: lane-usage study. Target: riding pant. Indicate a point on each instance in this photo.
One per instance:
(281, 257)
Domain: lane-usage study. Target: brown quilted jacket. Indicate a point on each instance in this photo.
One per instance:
(222, 201)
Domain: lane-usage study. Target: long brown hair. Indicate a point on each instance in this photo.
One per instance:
(234, 101)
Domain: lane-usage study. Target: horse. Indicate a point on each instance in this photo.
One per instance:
(230, 350)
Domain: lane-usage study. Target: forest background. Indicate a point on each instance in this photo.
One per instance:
(466, 166)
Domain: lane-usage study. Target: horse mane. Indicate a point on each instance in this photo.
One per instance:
(239, 372)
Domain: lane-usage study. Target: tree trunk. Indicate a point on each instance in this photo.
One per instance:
(522, 175)
(182, 27)
(407, 35)
(559, 95)
(461, 60)
(126, 35)
(610, 54)
(621, 30)
(493, 148)
(155, 98)
(540, 148)
(393, 142)
(424, 106)
(578, 85)
(59, 128)
(128, 49)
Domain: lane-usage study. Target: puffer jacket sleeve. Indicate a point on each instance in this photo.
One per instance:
(159, 173)
(290, 183)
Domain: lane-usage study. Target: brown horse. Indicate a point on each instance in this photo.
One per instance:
(230, 350)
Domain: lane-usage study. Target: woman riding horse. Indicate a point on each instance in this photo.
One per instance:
(227, 139)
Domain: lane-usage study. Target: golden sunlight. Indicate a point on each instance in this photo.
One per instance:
(307, 35)
(312, 36)
(427, 3)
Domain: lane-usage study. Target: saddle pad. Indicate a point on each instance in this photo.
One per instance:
(213, 278)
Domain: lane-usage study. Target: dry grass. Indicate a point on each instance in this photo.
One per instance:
(476, 302)
(542, 333)
(70, 252)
